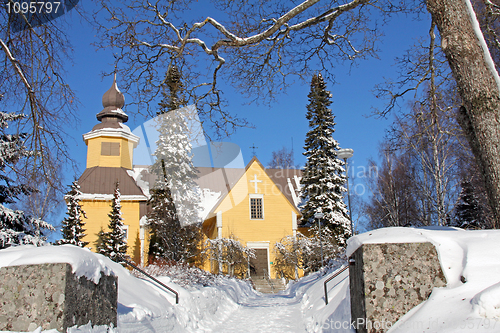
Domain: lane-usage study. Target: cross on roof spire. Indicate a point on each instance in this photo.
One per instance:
(253, 149)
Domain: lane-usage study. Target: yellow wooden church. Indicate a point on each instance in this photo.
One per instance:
(257, 206)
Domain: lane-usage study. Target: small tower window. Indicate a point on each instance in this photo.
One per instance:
(110, 148)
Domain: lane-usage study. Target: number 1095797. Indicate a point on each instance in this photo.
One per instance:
(33, 7)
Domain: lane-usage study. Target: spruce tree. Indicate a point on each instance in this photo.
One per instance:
(15, 226)
(323, 178)
(72, 225)
(114, 244)
(174, 218)
(468, 211)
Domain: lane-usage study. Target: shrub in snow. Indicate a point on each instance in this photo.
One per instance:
(181, 273)
(15, 226)
(228, 256)
(323, 177)
(72, 225)
(288, 256)
(113, 244)
(301, 252)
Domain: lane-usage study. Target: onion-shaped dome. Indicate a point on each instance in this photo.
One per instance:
(113, 102)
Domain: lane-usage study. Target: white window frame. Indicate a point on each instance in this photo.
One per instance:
(255, 196)
(125, 228)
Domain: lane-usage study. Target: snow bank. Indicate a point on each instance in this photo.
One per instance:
(142, 305)
(317, 316)
(472, 256)
(83, 262)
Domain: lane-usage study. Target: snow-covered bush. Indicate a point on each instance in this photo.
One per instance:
(181, 273)
(301, 252)
(228, 256)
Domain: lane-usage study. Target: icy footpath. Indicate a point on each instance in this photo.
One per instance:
(229, 305)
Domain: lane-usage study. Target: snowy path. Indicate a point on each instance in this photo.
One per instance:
(265, 313)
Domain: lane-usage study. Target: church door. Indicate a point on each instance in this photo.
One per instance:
(259, 264)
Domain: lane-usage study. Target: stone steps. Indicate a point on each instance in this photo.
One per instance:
(262, 285)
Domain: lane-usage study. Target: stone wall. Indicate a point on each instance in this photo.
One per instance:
(388, 280)
(51, 296)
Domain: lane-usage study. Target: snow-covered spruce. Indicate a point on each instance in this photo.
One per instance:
(174, 221)
(468, 210)
(72, 225)
(174, 160)
(15, 226)
(323, 178)
(112, 243)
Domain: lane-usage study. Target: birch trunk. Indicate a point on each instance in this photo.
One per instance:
(479, 116)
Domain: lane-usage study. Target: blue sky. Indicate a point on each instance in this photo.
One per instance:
(275, 125)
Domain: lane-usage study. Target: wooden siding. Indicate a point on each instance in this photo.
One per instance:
(235, 208)
(95, 158)
(97, 218)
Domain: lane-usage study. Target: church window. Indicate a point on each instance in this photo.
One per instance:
(256, 207)
(125, 234)
(110, 148)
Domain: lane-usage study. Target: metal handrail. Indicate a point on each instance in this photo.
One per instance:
(268, 278)
(153, 278)
(337, 273)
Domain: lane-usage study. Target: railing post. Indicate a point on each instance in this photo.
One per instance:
(337, 273)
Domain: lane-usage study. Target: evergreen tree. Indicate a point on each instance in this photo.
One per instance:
(114, 244)
(174, 160)
(72, 225)
(174, 219)
(100, 242)
(468, 211)
(15, 226)
(323, 178)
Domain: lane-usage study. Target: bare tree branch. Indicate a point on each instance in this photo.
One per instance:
(255, 46)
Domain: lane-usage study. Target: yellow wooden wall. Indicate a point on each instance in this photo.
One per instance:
(94, 157)
(97, 217)
(235, 208)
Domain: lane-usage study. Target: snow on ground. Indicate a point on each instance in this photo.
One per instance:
(229, 305)
(473, 306)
